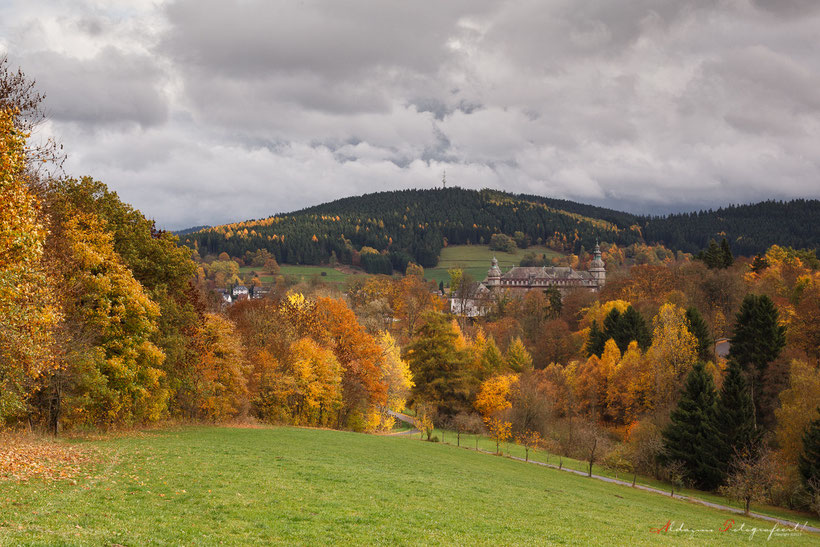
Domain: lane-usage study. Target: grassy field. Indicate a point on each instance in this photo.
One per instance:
(298, 486)
(475, 259)
(302, 273)
(510, 448)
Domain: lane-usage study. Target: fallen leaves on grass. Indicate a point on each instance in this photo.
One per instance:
(23, 458)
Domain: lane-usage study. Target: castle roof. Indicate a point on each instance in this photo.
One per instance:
(544, 272)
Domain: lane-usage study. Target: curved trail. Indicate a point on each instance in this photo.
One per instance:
(782, 522)
(406, 419)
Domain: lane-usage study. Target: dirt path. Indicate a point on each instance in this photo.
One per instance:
(782, 522)
(406, 419)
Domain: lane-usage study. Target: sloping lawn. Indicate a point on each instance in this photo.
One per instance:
(300, 486)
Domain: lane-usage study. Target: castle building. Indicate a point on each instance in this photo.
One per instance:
(563, 278)
(476, 301)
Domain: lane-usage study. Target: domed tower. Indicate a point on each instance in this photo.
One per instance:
(597, 268)
(494, 275)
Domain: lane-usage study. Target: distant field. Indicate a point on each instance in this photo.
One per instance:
(301, 273)
(475, 259)
(292, 486)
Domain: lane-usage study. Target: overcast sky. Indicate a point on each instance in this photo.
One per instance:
(205, 111)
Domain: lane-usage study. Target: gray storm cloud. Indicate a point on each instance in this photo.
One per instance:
(200, 112)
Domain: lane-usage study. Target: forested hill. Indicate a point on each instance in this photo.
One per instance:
(750, 229)
(415, 224)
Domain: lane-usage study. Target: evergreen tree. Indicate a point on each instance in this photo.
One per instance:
(632, 326)
(698, 327)
(691, 437)
(726, 254)
(809, 461)
(712, 256)
(758, 340)
(595, 341)
(735, 417)
(759, 264)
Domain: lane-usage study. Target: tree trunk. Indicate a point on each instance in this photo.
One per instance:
(634, 478)
(746, 510)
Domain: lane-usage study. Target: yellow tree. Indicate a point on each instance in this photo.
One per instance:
(500, 430)
(631, 386)
(673, 352)
(798, 407)
(116, 376)
(396, 373)
(26, 316)
(495, 395)
(317, 377)
(221, 390)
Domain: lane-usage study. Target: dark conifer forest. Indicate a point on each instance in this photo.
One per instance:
(413, 225)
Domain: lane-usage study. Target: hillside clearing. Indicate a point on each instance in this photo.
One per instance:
(288, 485)
(475, 259)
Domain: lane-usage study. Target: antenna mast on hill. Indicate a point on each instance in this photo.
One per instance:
(444, 179)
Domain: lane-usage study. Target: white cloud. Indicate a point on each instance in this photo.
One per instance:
(206, 111)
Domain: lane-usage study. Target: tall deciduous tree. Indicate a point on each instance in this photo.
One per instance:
(517, 357)
(26, 315)
(439, 368)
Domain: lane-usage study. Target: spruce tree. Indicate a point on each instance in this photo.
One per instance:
(712, 256)
(758, 340)
(691, 437)
(735, 417)
(632, 326)
(698, 327)
(809, 461)
(726, 254)
(595, 341)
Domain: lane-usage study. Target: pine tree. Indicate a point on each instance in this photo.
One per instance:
(691, 437)
(735, 417)
(698, 327)
(758, 340)
(809, 461)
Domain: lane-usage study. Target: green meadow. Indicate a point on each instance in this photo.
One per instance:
(302, 274)
(475, 259)
(286, 486)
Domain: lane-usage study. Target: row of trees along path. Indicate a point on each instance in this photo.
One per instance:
(782, 522)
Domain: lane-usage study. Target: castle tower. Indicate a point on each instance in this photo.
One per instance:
(494, 275)
(597, 268)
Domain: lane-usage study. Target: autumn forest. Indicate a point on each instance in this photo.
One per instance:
(697, 364)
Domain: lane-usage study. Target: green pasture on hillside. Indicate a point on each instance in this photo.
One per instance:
(287, 486)
(301, 273)
(475, 259)
(484, 443)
